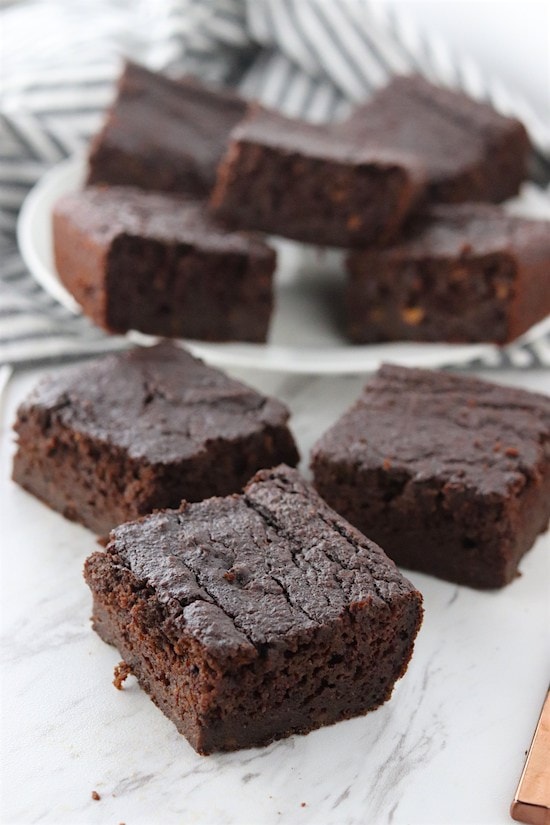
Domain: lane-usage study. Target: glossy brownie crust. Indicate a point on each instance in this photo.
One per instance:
(121, 436)
(463, 273)
(451, 475)
(163, 134)
(311, 183)
(253, 617)
(161, 265)
(470, 152)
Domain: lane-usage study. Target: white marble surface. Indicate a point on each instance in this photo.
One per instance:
(448, 748)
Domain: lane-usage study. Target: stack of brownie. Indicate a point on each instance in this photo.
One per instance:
(137, 247)
(399, 182)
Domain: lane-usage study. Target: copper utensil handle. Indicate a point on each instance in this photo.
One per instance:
(532, 800)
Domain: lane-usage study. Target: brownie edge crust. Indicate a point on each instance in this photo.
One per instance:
(252, 617)
(450, 474)
(126, 434)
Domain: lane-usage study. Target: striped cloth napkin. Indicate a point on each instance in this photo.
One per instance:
(308, 58)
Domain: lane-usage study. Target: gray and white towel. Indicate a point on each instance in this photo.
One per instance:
(308, 58)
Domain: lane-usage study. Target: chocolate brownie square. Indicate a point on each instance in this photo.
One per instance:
(469, 150)
(311, 183)
(450, 474)
(126, 434)
(160, 264)
(463, 273)
(253, 617)
(163, 134)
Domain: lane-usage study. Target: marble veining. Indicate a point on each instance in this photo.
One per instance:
(448, 747)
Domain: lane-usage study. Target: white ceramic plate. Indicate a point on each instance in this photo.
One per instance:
(305, 335)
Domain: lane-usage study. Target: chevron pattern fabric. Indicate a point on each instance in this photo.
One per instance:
(308, 58)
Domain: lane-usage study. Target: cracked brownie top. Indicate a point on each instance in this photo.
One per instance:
(248, 570)
(462, 432)
(158, 403)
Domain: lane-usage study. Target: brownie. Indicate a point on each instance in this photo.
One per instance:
(158, 263)
(123, 435)
(163, 134)
(252, 617)
(462, 272)
(303, 181)
(470, 151)
(450, 474)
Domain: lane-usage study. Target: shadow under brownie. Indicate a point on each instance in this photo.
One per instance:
(116, 438)
(449, 474)
(252, 617)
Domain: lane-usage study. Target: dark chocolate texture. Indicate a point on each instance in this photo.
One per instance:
(470, 151)
(256, 616)
(307, 182)
(450, 474)
(163, 134)
(160, 264)
(463, 273)
(126, 434)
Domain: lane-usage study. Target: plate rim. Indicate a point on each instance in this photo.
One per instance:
(31, 208)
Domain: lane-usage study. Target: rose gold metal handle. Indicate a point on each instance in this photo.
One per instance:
(532, 800)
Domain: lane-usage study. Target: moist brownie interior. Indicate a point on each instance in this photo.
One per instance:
(252, 617)
(464, 273)
(449, 474)
(162, 265)
(126, 434)
(303, 181)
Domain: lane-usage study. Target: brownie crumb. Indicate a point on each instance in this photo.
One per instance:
(121, 673)
(303, 804)
(511, 452)
(96, 796)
